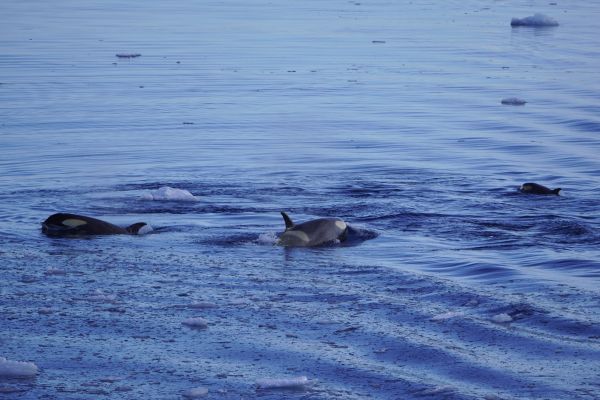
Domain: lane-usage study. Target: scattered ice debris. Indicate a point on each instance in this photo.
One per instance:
(536, 20)
(202, 305)
(299, 382)
(195, 393)
(169, 193)
(501, 318)
(513, 101)
(17, 369)
(435, 391)
(447, 315)
(346, 330)
(127, 55)
(101, 297)
(381, 350)
(29, 279)
(110, 379)
(55, 271)
(196, 323)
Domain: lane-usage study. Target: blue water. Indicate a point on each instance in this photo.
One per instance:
(386, 114)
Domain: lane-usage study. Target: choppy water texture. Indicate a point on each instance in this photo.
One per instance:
(386, 114)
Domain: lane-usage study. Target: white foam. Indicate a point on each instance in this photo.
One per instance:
(513, 101)
(196, 323)
(447, 315)
(195, 393)
(536, 20)
(170, 194)
(267, 238)
(17, 369)
(283, 383)
(144, 230)
(500, 318)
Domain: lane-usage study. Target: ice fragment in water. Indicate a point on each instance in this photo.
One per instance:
(447, 315)
(195, 393)
(17, 369)
(283, 383)
(500, 318)
(513, 101)
(196, 323)
(169, 193)
(537, 20)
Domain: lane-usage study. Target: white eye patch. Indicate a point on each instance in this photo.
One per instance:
(73, 223)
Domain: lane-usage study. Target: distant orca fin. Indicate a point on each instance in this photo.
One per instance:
(288, 221)
(135, 228)
(555, 191)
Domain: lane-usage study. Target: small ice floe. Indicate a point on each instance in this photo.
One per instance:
(127, 55)
(17, 369)
(101, 297)
(195, 393)
(447, 315)
(170, 194)
(513, 101)
(299, 382)
(435, 391)
(45, 311)
(381, 350)
(202, 305)
(29, 279)
(502, 318)
(195, 323)
(536, 20)
(55, 271)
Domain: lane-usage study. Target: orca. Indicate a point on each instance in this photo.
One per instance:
(312, 233)
(64, 224)
(536, 188)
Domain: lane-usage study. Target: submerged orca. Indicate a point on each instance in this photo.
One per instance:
(63, 224)
(312, 233)
(536, 188)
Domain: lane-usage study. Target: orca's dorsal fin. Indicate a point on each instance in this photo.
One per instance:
(288, 221)
(555, 191)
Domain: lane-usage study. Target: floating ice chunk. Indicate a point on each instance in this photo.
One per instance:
(299, 382)
(17, 369)
(195, 393)
(447, 315)
(127, 55)
(170, 194)
(513, 101)
(195, 323)
(55, 271)
(536, 20)
(501, 318)
(201, 305)
(101, 297)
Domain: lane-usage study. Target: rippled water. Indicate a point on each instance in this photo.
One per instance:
(386, 114)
